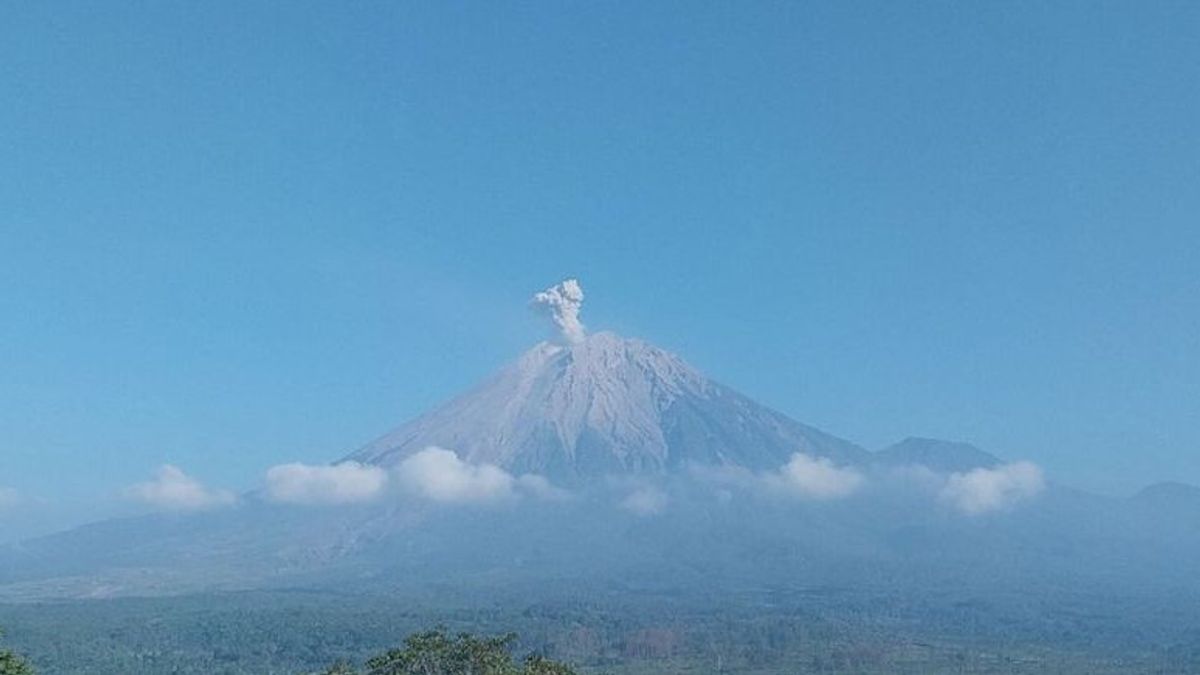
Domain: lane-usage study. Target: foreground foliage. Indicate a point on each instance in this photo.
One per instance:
(12, 664)
(437, 653)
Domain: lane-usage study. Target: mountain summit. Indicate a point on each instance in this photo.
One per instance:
(602, 404)
(937, 455)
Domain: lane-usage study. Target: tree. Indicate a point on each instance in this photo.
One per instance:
(12, 664)
(536, 664)
(437, 653)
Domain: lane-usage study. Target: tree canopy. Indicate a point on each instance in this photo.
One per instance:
(12, 664)
(435, 652)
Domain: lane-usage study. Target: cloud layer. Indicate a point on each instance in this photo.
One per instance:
(174, 490)
(986, 490)
(345, 483)
(804, 477)
(815, 478)
(439, 475)
(433, 474)
(538, 487)
(562, 304)
(645, 501)
(975, 492)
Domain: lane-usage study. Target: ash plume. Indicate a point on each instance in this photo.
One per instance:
(561, 303)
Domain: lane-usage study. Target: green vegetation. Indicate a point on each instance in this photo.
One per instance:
(437, 653)
(833, 631)
(13, 664)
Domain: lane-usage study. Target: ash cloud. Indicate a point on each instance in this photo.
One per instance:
(561, 303)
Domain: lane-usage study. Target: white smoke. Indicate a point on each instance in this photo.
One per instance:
(982, 491)
(174, 490)
(561, 303)
(345, 483)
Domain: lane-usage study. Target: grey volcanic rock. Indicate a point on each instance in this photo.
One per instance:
(941, 456)
(607, 405)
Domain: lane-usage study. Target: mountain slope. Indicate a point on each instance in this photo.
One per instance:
(607, 405)
(1169, 495)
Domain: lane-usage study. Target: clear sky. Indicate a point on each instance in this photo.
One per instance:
(234, 234)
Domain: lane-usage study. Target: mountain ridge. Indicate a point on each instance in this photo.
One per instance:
(937, 455)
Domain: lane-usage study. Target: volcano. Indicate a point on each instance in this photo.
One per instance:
(607, 405)
(619, 425)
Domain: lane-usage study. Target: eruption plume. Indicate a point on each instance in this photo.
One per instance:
(561, 303)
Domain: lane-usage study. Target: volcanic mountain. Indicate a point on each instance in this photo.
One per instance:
(586, 408)
(607, 405)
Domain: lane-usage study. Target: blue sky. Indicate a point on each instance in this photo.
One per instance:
(237, 234)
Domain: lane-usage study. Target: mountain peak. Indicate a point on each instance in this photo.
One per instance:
(605, 404)
(936, 454)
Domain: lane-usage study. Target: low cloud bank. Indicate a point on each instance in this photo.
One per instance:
(174, 490)
(433, 474)
(645, 501)
(975, 492)
(345, 483)
(982, 491)
(439, 475)
(803, 477)
(815, 478)
(538, 487)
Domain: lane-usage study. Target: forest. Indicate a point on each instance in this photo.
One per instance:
(836, 631)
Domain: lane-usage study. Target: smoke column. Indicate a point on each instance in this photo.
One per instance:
(561, 303)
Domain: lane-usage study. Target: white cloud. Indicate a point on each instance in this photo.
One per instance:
(540, 488)
(815, 478)
(985, 490)
(348, 482)
(439, 475)
(645, 501)
(434, 474)
(174, 490)
(804, 476)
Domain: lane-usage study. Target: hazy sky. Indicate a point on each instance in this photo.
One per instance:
(234, 234)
